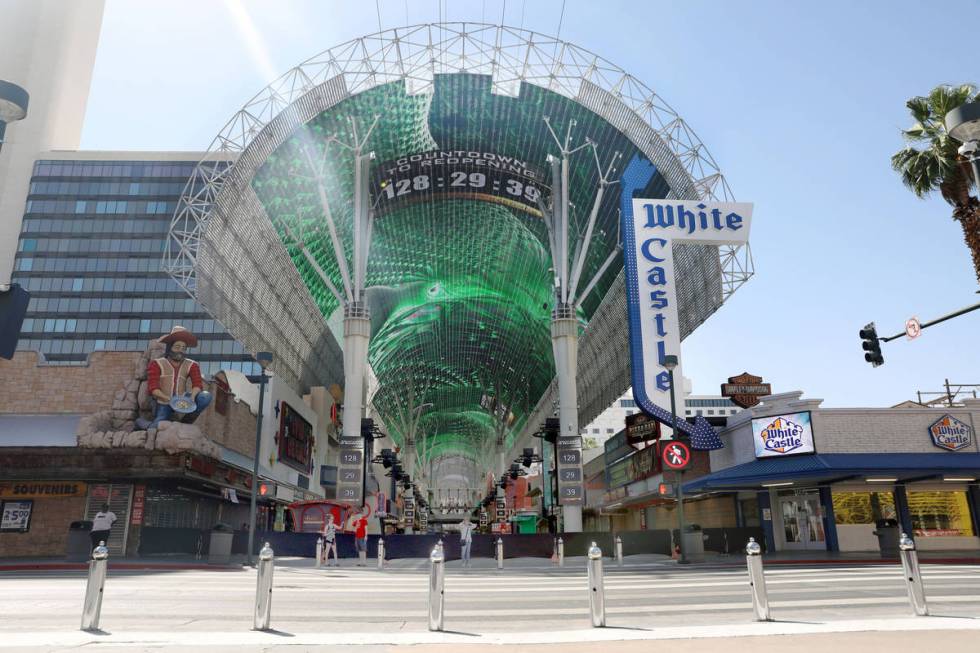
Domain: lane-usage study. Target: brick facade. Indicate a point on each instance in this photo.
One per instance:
(48, 533)
(28, 387)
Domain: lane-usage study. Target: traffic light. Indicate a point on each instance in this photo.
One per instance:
(527, 459)
(870, 344)
(367, 427)
(264, 489)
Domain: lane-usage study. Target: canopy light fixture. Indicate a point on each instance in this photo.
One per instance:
(960, 479)
(777, 484)
(881, 480)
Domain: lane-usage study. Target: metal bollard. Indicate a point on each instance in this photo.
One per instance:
(263, 589)
(436, 588)
(500, 553)
(561, 552)
(619, 551)
(319, 551)
(913, 575)
(381, 554)
(92, 609)
(597, 594)
(757, 581)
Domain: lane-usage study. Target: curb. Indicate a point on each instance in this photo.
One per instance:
(83, 566)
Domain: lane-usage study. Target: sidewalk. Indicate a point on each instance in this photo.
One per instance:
(163, 563)
(178, 563)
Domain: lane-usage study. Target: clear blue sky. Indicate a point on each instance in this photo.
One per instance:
(800, 104)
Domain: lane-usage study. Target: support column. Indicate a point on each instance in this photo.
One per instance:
(409, 458)
(902, 508)
(564, 340)
(357, 335)
(829, 519)
(765, 503)
(501, 460)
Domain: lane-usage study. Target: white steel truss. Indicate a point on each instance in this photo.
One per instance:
(225, 253)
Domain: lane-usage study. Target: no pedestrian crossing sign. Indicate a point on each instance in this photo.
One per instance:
(676, 455)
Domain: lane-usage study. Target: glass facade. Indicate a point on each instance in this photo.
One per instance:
(90, 255)
(940, 514)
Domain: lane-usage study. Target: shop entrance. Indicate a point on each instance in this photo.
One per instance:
(802, 520)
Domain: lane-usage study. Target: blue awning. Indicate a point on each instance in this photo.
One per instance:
(835, 467)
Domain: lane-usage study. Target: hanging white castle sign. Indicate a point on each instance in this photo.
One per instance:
(650, 228)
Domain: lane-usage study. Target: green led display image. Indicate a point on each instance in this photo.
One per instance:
(460, 281)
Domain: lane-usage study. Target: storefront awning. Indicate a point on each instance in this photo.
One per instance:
(831, 468)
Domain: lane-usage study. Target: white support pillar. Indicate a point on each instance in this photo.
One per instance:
(564, 339)
(357, 335)
(408, 457)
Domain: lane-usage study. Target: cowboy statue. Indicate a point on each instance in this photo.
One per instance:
(174, 381)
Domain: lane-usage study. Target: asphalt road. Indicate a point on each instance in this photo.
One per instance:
(367, 607)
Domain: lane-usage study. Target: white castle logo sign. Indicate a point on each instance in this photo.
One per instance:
(950, 433)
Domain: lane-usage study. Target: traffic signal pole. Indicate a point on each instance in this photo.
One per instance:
(936, 321)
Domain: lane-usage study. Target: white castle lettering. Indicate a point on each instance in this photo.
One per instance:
(782, 436)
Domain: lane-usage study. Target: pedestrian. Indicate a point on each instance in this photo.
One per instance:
(360, 537)
(329, 534)
(465, 539)
(101, 525)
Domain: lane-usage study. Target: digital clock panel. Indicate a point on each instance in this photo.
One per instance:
(461, 174)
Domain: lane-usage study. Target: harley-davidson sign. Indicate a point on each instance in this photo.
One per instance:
(745, 390)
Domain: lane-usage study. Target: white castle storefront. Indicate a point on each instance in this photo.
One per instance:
(848, 479)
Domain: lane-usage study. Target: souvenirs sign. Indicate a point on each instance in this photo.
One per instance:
(782, 435)
(745, 390)
(650, 229)
(951, 434)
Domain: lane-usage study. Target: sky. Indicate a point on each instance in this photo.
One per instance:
(800, 104)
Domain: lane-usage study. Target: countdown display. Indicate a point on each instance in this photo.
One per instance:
(350, 471)
(462, 174)
(570, 488)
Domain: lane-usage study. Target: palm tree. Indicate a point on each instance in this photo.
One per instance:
(938, 166)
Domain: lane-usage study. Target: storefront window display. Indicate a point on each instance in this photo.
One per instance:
(863, 507)
(940, 514)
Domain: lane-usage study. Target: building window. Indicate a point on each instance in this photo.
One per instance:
(610, 430)
(863, 507)
(940, 514)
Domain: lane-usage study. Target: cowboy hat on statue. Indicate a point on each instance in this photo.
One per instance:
(174, 381)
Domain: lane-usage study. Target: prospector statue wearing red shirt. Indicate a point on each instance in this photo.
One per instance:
(175, 381)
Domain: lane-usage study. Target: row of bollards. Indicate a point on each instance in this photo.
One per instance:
(910, 566)
(437, 593)
(92, 608)
(95, 586)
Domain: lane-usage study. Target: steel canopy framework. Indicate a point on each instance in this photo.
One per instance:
(459, 287)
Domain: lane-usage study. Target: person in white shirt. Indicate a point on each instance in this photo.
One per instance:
(101, 525)
(466, 539)
(329, 534)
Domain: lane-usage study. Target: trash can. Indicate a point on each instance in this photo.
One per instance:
(219, 548)
(887, 532)
(693, 543)
(79, 546)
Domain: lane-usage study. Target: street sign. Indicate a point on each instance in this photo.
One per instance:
(676, 455)
(350, 471)
(913, 329)
(570, 488)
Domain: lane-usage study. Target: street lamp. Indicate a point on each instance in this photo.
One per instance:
(670, 362)
(13, 105)
(264, 359)
(963, 124)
